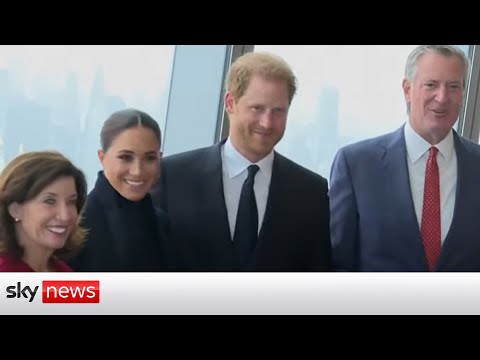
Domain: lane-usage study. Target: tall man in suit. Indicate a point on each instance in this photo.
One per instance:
(201, 190)
(409, 200)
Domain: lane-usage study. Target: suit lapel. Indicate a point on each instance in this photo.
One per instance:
(462, 197)
(272, 191)
(211, 184)
(396, 168)
(277, 190)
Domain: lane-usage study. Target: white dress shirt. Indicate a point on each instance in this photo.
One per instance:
(417, 155)
(234, 169)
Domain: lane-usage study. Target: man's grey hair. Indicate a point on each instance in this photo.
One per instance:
(445, 50)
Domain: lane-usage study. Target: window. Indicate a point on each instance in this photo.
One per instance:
(346, 93)
(58, 96)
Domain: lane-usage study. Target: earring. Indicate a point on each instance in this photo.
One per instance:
(16, 220)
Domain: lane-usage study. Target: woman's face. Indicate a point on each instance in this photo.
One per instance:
(46, 221)
(132, 162)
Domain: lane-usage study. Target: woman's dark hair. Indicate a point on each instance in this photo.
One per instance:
(122, 120)
(22, 180)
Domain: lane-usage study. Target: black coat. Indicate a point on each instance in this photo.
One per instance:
(295, 233)
(122, 235)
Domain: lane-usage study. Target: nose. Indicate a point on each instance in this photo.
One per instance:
(266, 120)
(441, 95)
(66, 212)
(136, 168)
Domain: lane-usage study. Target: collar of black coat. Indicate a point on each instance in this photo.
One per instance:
(112, 197)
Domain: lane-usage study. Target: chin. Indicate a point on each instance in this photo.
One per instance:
(58, 244)
(135, 197)
(265, 149)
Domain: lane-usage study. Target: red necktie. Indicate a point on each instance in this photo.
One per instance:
(431, 210)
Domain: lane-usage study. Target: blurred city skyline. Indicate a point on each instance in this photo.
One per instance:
(60, 100)
(58, 96)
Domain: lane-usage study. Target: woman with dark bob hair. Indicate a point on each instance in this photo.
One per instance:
(41, 197)
(125, 232)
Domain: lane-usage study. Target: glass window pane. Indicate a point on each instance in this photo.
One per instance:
(58, 96)
(346, 93)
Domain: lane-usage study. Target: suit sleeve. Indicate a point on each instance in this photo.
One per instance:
(343, 216)
(323, 251)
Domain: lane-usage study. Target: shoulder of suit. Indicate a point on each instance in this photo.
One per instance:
(188, 156)
(370, 144)
(470, 144)
(299, 169)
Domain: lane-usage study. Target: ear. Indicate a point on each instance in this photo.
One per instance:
(15, 210)
(407, 90)
(229, 102)
(100, 155)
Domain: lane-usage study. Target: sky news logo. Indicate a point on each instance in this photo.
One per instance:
(58, 291)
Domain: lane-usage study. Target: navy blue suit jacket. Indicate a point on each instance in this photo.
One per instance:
(373, 221)
(295, 232)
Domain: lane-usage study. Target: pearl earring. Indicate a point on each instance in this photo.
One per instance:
(17, 220)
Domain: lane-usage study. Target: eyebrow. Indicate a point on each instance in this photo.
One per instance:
(56, 195)
(448, 81)
(133, 153)
(50, 193)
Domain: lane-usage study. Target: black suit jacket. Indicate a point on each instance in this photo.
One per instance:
(119, 238)
(295, 232)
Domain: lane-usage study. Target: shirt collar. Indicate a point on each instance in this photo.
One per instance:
(236, 163)
(417, 146)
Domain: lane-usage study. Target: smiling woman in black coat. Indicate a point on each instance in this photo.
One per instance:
(125, 231)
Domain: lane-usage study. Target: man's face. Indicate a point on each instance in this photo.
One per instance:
(435, 95)
(258, 118)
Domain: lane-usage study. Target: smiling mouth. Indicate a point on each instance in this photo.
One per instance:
(264, 134)
(134, 183)
(57, 229)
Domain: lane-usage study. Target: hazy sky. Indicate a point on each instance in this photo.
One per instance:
(128, 69)
(368, 79)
